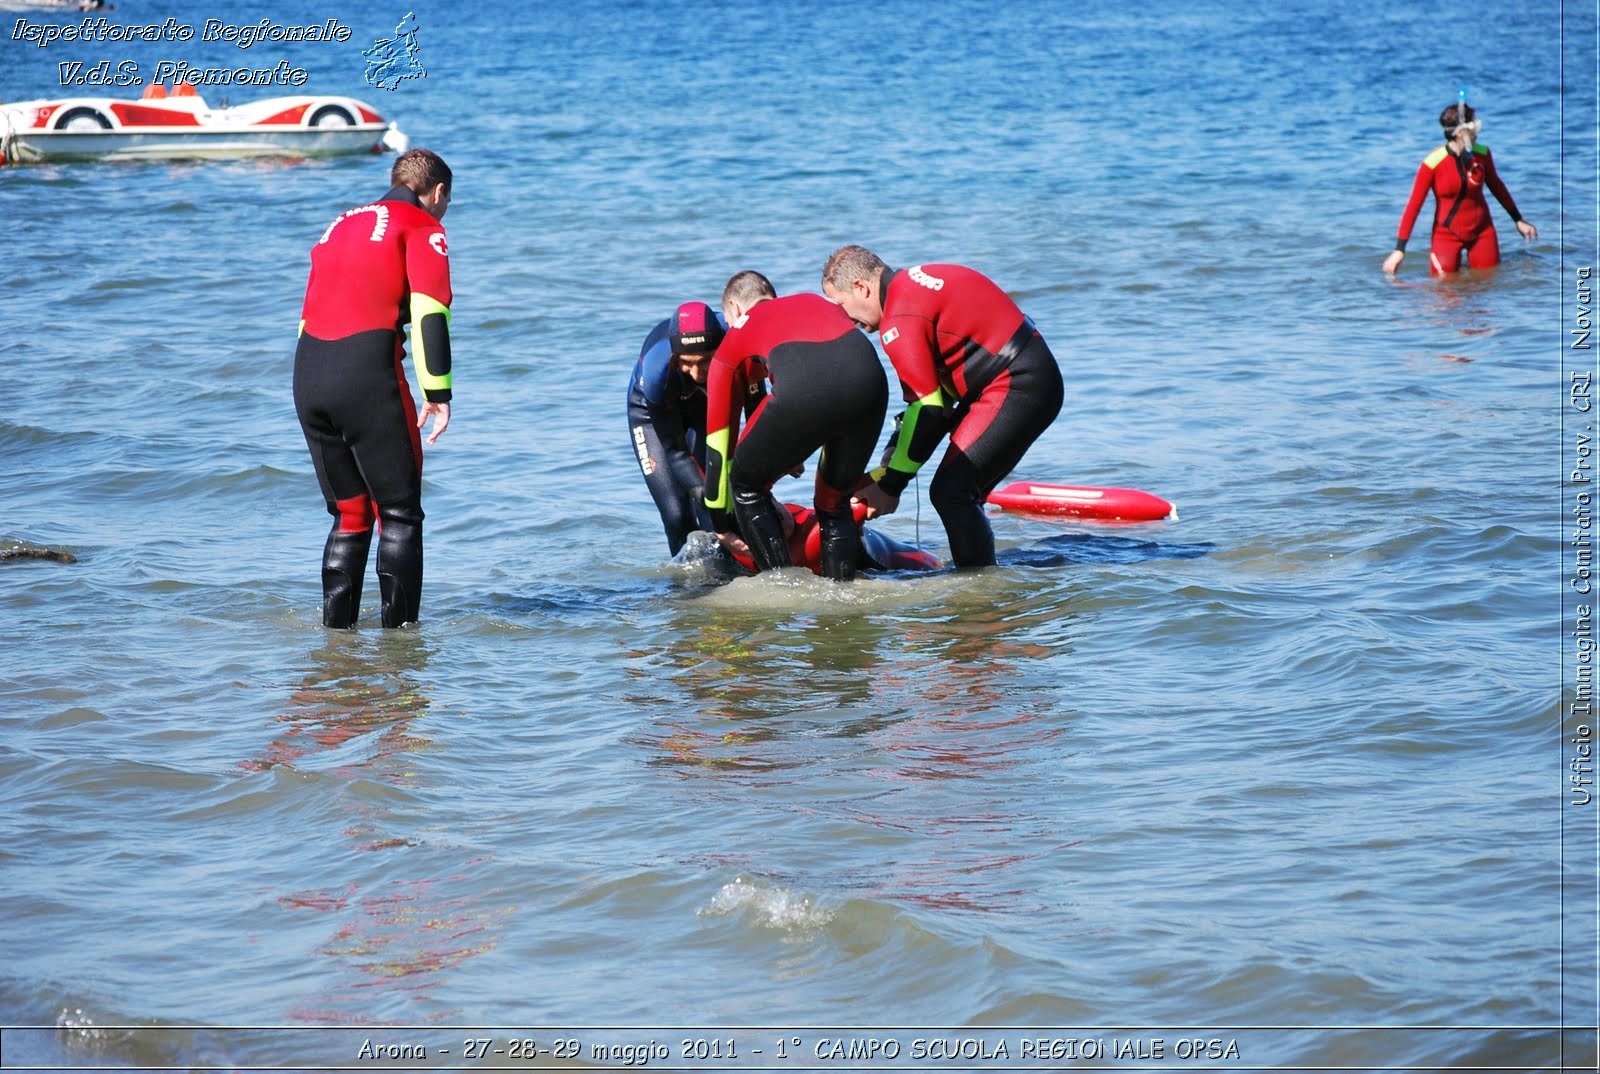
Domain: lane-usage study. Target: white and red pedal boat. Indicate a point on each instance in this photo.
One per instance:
(182, 126)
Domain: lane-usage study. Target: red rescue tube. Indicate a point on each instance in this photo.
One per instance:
(1122, 505)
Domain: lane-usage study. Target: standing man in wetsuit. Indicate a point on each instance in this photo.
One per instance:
(828, 392)
(1457, 173)
(970, 365)
(667, 416)
(375, 268)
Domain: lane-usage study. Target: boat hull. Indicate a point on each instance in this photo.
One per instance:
(182, 126)
(38, 147)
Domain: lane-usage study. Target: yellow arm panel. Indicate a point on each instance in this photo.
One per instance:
(430, 343)
(902, 460)
(717, 471)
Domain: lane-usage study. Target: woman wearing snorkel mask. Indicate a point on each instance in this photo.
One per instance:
(1457, 172)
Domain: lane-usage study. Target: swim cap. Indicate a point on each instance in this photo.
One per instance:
(694, 329)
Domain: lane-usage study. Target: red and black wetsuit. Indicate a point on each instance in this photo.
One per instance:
(375, 267)
(1461, 218)
(828, 391)
(971, 365)
(878, 552)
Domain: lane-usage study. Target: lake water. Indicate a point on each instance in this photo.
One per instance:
(1297, 761)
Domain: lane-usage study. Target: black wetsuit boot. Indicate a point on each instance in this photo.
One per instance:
(344, 563)
(762, 529)
(400, 566)
(841, 545)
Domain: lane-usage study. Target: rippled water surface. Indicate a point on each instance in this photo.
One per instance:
(1287, 762)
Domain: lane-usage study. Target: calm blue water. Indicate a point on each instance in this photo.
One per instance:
(1291, 761)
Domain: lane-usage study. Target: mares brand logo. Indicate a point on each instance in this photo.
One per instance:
(932, 283)
(436, 240)
(685, 340)
(646, 463)
(378, 228)
(890, 336)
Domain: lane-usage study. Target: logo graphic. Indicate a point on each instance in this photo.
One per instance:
(378, 228)
(392, 61)
(436, 240)
(928, 280)
(646, 463)
(890, 336)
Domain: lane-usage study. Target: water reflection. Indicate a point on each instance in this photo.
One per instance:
(731, 690)
(1455, 308)
(355, 687)
(407, 910)
(1065, 549)
(923, 736)
(391, 947)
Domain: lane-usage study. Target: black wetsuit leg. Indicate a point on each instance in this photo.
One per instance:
(400, 564)
(344, 563)
(990, 438)
(762, 527)
(826, 395)
(360, 425)
(676, 479)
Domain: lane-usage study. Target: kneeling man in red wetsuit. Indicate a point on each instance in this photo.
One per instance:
(970, 365)
(375, 268)
(828, 392)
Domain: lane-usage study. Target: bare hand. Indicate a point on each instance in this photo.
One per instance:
(735, 544)
(876, 501)
(1392, 262)
(441, 419)
(1527, 231)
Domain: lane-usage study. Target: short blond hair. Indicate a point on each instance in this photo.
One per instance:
(849, 263)
(747, 288)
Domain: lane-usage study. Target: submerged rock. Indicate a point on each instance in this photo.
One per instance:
(32, 552)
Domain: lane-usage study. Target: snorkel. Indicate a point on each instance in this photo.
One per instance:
(1472, 127)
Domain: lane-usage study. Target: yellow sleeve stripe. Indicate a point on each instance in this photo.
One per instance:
(902, 460)
(717, 455)
(421, 306)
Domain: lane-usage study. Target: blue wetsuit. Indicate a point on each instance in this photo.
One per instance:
(667, 427)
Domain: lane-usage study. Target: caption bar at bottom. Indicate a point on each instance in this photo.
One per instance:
(89, 1047)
